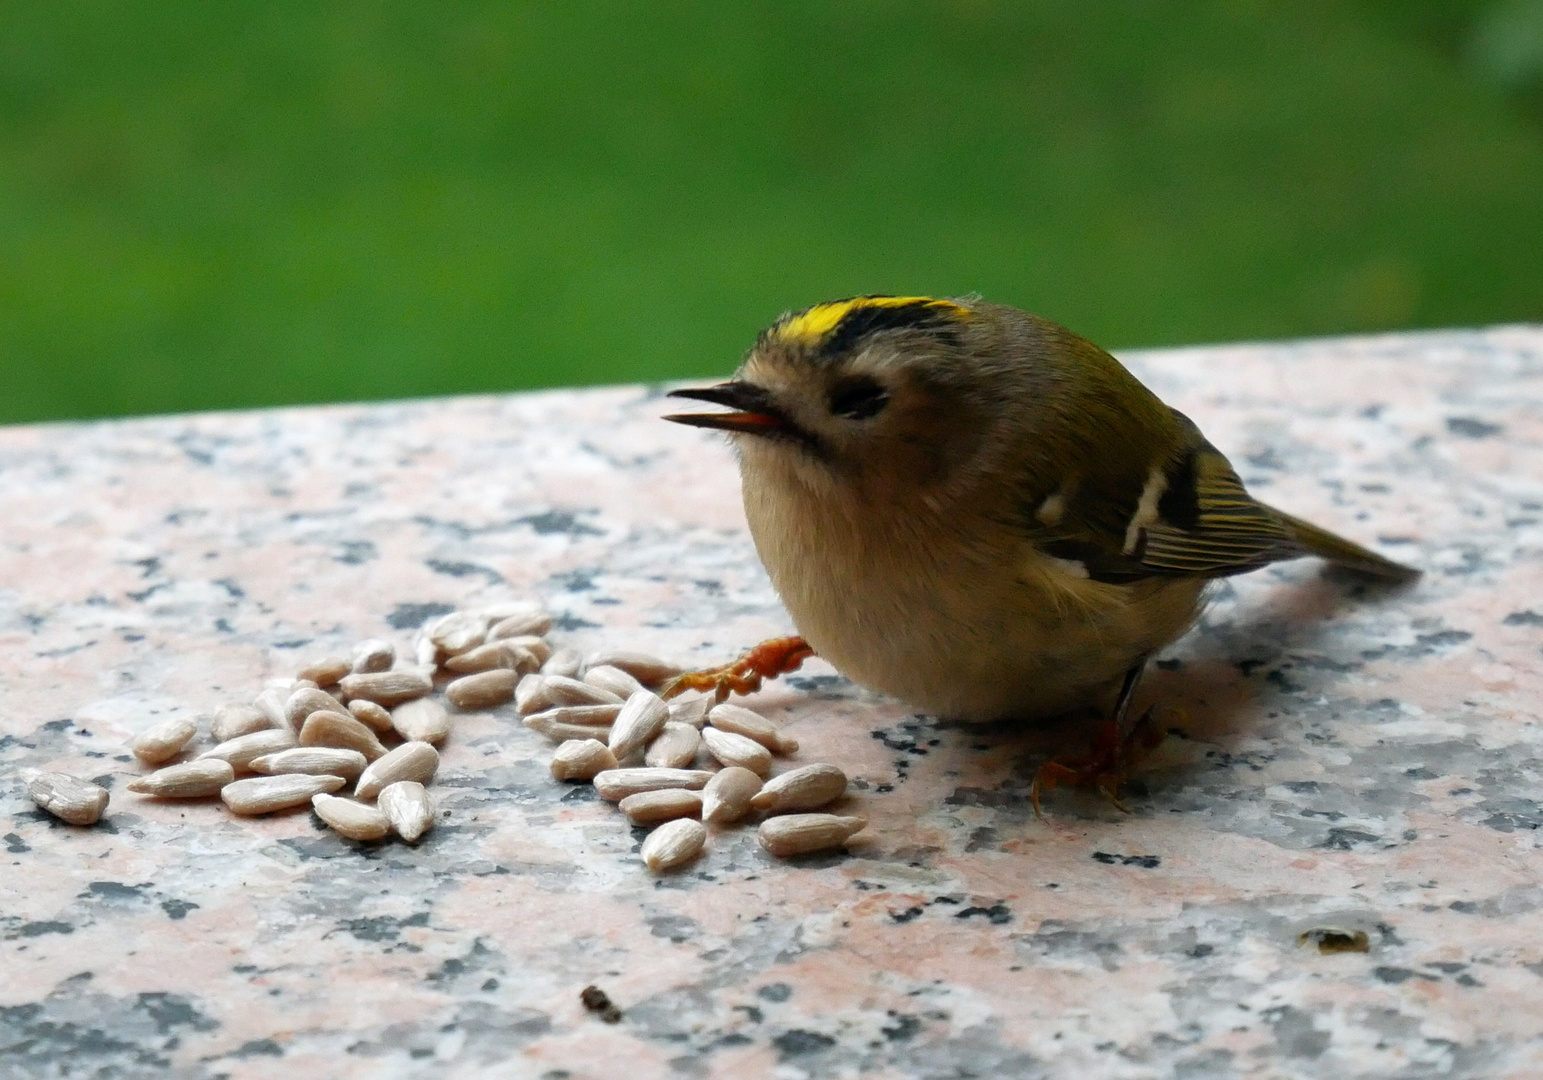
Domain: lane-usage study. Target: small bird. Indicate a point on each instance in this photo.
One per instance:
(978, 512)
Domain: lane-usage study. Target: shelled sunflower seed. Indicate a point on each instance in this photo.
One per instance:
(648, 807)
(641, 719)
(163, 741)
(421, 720)
(485, 690)
(733, 749)
(190, 780)
(408, 807)
(315, 760)
(355, 820)
(614, 680)
(801, 834)
(729, 795)
(265, 794)
(675, 747)
(232, 721)
(673, 844)
(244, 749)
(806, 788)
(326, 671)
(326, 727)
(581, 759)
(415, 761)
(68, 798)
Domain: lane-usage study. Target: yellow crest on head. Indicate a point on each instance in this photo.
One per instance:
(816, 322)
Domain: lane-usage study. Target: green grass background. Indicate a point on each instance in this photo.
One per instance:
(213, 205)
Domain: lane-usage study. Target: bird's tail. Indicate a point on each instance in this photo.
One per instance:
(1337, 549)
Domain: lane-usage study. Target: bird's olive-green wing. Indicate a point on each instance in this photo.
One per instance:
(1191, 517)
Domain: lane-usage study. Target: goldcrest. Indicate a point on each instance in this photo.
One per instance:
(977, 511)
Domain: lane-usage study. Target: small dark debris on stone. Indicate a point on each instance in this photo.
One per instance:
(1331, 940)
(597, 1001)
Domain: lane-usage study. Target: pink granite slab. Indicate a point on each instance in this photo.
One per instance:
(1342, 757)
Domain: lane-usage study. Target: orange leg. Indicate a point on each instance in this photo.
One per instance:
(1114, 756)
(766, 661)
(1115, 753)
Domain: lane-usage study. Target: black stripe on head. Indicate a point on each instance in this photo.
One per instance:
(866, 319)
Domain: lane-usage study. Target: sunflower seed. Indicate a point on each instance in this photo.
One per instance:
(691, 710)
(485, 690)
(799, 834)
(566, 662)
(326, 671)
(233, 720)
(304, 702)
(732, 749)
(644, 667)
(190, 780)
(561, 690)
(78, 802)
(312, 760)
(423, 720)
(593, 716)
(372, 655)
(458, 632)
(675, 747)
(244, 749)
(536, 646)
(426, 654)
(408, 807)
(728, 795)
(581, 759)
(673, 844)
(530, 694)
(355, 820)
(163, 741)
(271, 701)
(614, 785)
(640, 720)
(808, 787)
(416, 761)
(495, 654)
(651, 671)
(371, 715)
(613, 679)
(265, 794)
(340, 729)
(560, 732)
(751, 725)
(647, 807)
(386, 688)
(529, 624)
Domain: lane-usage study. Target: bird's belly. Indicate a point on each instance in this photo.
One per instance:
(1001, 647)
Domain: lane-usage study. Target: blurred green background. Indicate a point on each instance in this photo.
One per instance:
(214, 205)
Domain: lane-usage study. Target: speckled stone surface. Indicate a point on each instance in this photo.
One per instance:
(1346, 758)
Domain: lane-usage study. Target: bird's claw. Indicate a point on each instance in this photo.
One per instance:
(1113, 758)
(766, 661)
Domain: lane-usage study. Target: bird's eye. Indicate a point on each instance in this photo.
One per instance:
(858, 398)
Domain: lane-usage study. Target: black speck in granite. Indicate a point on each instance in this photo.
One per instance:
(412, 616)
(799, 1043)
(1470, 428)
(996, 914)
(457, 569)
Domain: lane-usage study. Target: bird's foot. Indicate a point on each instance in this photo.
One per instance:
(766, 661)
(1113, 757)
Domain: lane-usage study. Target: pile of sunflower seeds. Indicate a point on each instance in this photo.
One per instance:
(373, 722)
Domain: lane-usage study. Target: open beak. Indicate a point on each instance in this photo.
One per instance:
(755, 413)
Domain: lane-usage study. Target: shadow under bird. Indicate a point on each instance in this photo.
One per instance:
(982, 514)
